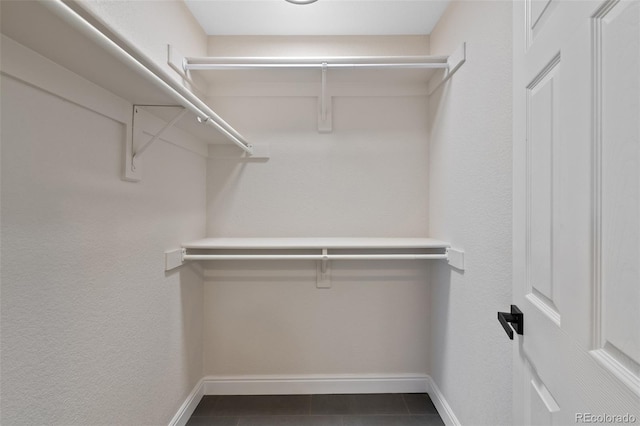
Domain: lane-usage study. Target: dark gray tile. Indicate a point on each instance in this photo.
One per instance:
(358, 404)
(261, 405)
(205, 407)
(291, 421)
(378, 403)
(393, 420)
(331, 404)
(419, 403)
(213, 421)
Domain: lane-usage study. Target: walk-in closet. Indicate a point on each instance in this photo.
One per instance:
(329, 212)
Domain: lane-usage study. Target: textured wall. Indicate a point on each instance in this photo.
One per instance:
(362, 180)
(470, 206)
(152, 25)
(317, 45)
(93, 330)
(366, 178)
(269, 318)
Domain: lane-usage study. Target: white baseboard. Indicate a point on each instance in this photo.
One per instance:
(444, 409)
(314, 384)
(188, 406)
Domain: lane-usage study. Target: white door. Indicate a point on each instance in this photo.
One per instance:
(577, 211)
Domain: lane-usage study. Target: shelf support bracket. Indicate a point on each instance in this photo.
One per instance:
(324, 104)
(174, 258)
(455, 258)
(138, 142)
(323, 273)
(138, 145)
(454, 62)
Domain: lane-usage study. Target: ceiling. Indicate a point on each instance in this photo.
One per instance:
(324, 17)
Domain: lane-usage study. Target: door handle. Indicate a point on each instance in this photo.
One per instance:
(515, 318)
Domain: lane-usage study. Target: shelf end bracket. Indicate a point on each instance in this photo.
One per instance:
(174, 258)
(455, 258)
(454, 62)
(323, 272)
(324, 104)
(138, 142)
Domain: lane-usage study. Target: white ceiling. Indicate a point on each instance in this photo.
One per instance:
(324, 17)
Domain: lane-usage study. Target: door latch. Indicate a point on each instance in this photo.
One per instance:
(516, 318)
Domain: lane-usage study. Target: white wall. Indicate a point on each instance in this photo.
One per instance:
(318, 45)
(366, 178)
(93, 330)
(268, 318)
(152, 25)
(470, 206)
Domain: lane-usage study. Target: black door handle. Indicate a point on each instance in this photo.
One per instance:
(516, 318)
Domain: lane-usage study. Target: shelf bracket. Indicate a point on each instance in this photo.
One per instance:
(323, 273)
(174, 258)
(455, 258)
(454, 62)
(324, 104)
(139, 147)
(139, 141)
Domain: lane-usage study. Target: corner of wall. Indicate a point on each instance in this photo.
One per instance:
(470, 205)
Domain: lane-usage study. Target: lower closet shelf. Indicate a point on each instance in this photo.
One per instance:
(320, 249)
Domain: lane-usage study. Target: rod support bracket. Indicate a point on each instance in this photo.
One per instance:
(455, 258)
(454, 62)
(323, 273)
(324, 104)
(174, 258)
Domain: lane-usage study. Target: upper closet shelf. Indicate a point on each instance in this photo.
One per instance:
(322, 250)
(74, 38)
(420, 68)
(315, 243)
(260, 62)
(450, 64)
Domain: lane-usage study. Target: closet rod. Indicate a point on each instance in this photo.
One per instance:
(221, 63)
(180, 94)
(315, 257)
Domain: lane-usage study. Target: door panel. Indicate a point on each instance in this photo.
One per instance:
(577, 209)
(543, 407)
(616, 69)
(541, 134)
(537, 13)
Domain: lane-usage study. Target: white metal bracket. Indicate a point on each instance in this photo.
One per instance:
(324, 104)
(323, 273)
(261, 152)
(139, 141)
(455, 258)
(177, 62)
(454, 62)
(174, 258)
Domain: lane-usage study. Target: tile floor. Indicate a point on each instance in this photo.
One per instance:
(409, 409)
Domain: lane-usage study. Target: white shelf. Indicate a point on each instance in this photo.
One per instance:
(78, 48)
(316, 243)
(321, 250)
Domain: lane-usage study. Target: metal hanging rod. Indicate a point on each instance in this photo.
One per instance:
(442, 256)
(175, 258)
(140, 62)
(392, 62)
